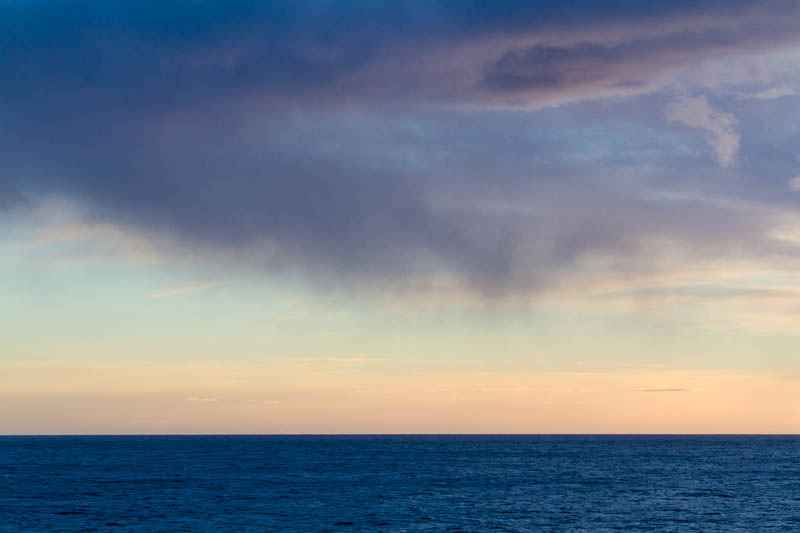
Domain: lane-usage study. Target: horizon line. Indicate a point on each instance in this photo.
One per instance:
(2, 435)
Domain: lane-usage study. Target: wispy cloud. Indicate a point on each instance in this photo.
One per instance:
(184, 289)
(719, 125)
(201, 399)
(771, 93)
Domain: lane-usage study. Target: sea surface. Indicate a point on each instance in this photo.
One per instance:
(400, 483)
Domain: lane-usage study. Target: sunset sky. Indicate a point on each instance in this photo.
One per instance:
(373, 216)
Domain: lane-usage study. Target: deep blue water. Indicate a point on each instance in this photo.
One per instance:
(400, 483)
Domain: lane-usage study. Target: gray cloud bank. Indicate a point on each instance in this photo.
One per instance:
(321, 135)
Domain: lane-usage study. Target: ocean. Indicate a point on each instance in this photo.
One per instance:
(400, 483)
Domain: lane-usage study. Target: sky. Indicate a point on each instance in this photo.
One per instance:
(371, 216)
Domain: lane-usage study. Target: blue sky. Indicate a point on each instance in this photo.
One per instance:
(367, 192)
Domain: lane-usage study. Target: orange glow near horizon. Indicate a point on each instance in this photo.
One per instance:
(54, 398)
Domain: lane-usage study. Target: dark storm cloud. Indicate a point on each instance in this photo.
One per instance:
(256, 127)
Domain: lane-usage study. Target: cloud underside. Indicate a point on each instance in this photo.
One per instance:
(285, 137)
